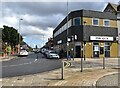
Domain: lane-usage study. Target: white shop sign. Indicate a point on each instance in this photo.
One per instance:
(101, 38)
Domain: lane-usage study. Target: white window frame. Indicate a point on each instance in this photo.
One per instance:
(104, 22)
(95, 19)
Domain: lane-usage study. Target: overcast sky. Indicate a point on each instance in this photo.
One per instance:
(41, 18)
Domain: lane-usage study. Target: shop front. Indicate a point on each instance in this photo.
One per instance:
(103, 46)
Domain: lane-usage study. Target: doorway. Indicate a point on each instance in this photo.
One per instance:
(96, 50)
(78, 51)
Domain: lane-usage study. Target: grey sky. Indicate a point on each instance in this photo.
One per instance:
(41, 17)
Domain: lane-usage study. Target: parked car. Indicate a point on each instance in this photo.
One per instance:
(53, 55)
(37, 51)
(23, 53)
(49, 51)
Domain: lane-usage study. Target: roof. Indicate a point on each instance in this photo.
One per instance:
(114, 6)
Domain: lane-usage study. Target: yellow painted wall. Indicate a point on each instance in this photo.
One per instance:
(113, 23)
(89, 20)
(101, 22)
(89, 50)
(114, 50)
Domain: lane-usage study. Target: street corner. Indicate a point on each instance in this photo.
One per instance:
(108, 80)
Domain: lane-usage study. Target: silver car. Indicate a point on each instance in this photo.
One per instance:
(53, 56)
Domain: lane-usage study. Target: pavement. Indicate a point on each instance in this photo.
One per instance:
(72, 77)
(6, 58)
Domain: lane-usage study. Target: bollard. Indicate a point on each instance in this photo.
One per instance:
(84, 58)
(103, 62)
(62, 70)
(81, 64)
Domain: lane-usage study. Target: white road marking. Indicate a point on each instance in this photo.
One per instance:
(21, 64)
(35, 60)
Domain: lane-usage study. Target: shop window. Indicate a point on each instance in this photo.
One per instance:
(107, 43)
(95, 43)
(95, 21)
(107, 48)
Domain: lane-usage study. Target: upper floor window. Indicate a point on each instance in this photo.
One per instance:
(76, 21)
(106, 22)
(69, 23)
(95, 21)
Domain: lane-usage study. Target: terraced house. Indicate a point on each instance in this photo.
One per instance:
(87, 32)
(114, 8)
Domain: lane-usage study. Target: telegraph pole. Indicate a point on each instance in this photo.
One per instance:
(118, 23)
(67, 47)
(19, 37)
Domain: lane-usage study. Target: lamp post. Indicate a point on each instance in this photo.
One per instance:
(118, 23)
(19, 38)
(84, 44)
(67, 33)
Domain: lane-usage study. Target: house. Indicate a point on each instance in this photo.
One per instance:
(111, 8)
(115, 8)
(87, 32)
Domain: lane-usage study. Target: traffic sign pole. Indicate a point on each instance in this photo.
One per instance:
(62, 70)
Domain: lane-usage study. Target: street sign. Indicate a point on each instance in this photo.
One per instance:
(67, 63)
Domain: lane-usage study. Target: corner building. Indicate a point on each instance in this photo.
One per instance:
(86, 32)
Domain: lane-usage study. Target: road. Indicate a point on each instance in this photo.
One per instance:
(37, 63)
(34, 63)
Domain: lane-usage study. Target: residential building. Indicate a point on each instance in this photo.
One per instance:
(111, 8)
(114, 8)
(49, 44)
(87, 32)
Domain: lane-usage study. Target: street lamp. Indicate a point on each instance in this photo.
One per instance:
(118, 23)
(19, 38)
(84, 43)
(67, 33)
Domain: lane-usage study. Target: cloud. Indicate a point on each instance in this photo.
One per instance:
(41, 17)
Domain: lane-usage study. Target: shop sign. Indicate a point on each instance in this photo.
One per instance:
(59, 42)
(101, 38)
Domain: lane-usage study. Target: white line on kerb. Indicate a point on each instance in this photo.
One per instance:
(21, 64)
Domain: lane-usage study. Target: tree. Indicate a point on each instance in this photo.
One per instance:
(11, 36)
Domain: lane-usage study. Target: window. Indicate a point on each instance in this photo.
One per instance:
(95, 21)
(76, 21)
(69, 23)
(106, 22)
(95, 43)
(107, 43)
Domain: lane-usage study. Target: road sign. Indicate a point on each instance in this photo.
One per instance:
(67, 63)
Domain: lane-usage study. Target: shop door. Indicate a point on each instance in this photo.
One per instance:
(78, 51)
(107, 49)
(96, 51)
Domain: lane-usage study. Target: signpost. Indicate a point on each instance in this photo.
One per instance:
(64, 64)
